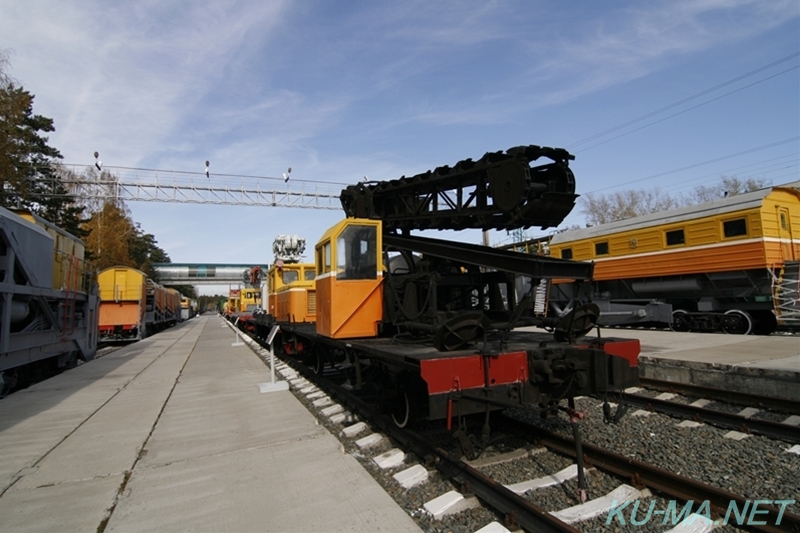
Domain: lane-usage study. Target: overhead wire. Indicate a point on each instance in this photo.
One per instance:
(690, 108)
(684, 100)
(592, 137)
(193, 173)
(736, 170)
(702, 163)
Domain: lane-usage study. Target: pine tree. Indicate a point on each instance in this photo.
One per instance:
(28, 177)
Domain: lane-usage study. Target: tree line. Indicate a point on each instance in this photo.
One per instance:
(605, 208)
(32, 178)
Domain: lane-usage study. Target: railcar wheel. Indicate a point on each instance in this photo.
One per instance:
(736, 322)
(681, 321)
(319, 362)
(401, 413)
(407, 400)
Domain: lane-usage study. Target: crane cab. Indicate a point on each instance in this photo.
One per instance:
(349, 279)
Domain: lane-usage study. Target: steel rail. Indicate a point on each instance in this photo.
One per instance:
(729, 396)
(518, 512)
(768, 428)
(651, 476)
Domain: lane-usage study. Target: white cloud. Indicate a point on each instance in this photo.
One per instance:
(626, 45)
(337, 90)
(119, 77)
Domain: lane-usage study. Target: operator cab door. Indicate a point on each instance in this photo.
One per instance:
(349, 278)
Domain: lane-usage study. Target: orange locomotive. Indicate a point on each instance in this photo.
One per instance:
(429, 328)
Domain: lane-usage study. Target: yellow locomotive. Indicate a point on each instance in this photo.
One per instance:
(729, 265)
(292, 295)
(133, 306)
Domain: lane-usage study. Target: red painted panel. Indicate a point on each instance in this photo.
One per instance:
(626, 348)
(508, 368)
(452, 373)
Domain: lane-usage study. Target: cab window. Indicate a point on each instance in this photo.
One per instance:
(309, 274)
(356, 253)
(289, 276)
(323, 261)
(324, 257)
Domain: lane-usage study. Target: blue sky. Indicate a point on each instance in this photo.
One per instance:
(342, 89)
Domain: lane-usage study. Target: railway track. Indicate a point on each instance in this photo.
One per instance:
(463, 484)
(743, 421)
(642, 474)
(722, 395)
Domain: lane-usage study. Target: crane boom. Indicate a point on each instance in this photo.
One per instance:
(501, 190)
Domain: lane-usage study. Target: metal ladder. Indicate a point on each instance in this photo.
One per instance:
(786, 294)
(69, 303)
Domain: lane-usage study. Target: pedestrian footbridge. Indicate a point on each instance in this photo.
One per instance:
(203, 273)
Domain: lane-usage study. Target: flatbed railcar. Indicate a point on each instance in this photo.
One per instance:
(730, 265)
(429, 328)
(417, 381)
(48, 301)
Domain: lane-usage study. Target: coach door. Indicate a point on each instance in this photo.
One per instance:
(785, 234)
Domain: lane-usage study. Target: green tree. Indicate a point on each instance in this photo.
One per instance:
(144, 251)
(28, 177)
(187, 290)
(211, 302)
(112, 238)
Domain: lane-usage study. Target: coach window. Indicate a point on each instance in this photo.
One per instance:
(675, 237)
(601, 248)
(566, 253)
(734, 228)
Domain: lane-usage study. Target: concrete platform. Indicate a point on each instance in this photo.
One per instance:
(172, 434)
(745, 363)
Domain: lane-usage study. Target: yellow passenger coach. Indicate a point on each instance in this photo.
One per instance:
(729, 264)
